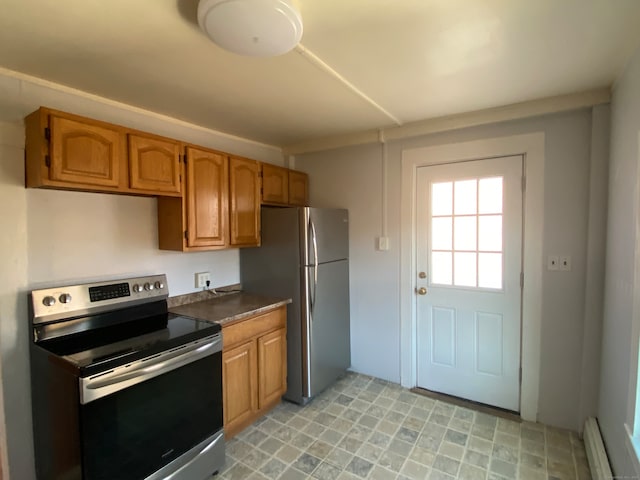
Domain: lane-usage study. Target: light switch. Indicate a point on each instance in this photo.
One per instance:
(553, 262)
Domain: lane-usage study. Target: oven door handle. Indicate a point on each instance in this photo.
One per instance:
(93, 388)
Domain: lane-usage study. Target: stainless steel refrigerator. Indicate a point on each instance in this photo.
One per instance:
(305, 256)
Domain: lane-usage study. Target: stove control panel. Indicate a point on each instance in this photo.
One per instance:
(65, 302)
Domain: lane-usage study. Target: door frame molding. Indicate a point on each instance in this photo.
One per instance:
(531, 146)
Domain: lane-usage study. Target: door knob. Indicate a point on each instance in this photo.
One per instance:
(421, 291)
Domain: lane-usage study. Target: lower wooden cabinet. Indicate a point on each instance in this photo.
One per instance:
(254, 368)
(239, 371)
(272, 356)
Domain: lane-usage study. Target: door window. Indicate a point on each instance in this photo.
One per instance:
(466, 233)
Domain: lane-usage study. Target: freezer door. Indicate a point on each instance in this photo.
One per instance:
(326, 234)
(328, 337)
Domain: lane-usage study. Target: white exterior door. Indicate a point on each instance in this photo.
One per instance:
(468, 285)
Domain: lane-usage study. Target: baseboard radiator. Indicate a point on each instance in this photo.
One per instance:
(596, 454)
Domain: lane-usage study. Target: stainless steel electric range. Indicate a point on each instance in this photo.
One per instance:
(121, 388)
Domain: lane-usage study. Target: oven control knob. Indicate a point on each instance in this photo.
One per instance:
(65, 298)
(137, 288)
(159, 285)
(148, 286)
(48, 301)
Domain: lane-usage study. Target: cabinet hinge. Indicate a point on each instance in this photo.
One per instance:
(47, 133)
(186, 234)
(520, 375)
(47, 160)
(184, 159)
(521, 279)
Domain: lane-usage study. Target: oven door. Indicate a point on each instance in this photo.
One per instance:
(138, 418)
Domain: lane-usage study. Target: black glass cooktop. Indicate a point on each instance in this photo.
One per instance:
(101, 349)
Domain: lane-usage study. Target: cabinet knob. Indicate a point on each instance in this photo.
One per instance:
(421, 291)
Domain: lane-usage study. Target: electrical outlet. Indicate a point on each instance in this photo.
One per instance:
(553, 262)
(201, 279)
(565, 263)
(383, 243)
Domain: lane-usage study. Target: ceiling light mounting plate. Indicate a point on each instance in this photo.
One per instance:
(258, 28)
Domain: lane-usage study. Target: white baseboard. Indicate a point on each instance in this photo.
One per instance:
(596, 453)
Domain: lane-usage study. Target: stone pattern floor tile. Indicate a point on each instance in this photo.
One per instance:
(367, 428)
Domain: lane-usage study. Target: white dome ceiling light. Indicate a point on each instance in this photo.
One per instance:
(257, 28)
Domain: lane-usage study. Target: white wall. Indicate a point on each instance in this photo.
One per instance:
(622, 292)
(13, 304)
(351, 178)
(53, 237)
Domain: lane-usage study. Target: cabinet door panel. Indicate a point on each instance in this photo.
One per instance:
(272, 365)
(207, 197)
(239, 378)
(275, 184)
(298, 188)
(154, 164)
(244, 193)
(83, 153)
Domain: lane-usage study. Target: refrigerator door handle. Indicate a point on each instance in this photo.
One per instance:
(310, 293)
(315, 263)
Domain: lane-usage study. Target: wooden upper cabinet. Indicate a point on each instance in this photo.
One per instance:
(69, 152)
(85, 154)
(275, 184)
(207, 198)
(244, 202)
(298, 188)
(154, 165)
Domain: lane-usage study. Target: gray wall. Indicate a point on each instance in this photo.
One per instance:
(621, 313)
(352, 178)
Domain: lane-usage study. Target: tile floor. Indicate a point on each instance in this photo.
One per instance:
(363, 427)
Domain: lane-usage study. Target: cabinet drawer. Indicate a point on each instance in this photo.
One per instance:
(253, 327)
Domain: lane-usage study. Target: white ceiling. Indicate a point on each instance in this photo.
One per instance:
(415, 59)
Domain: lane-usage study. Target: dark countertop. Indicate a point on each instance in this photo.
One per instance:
(229, 309)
